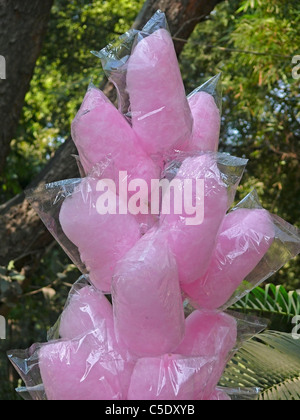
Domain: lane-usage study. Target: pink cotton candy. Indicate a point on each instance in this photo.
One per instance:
(81, 370)
(92, 99)
(209, 334)
(161, 116)
(100, 131)
(88, 309)
(193, 245)
(207, 123)
(148, 309)
(169, 377)
(102, 240)
(245, 237)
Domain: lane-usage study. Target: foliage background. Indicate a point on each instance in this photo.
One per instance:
(252, 42)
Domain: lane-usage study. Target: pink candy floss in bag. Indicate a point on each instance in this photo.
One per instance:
(209, 334)
(161, 116)
(102, 240)
(244, 238)
(81, 370)
(88, 309)
(169, 377)
(193, 245)
(207, 123)
(148, 308)
(100, 131)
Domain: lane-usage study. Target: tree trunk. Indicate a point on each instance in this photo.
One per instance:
(22, 229)
(182, 15)
(19, 224)
(22, 30)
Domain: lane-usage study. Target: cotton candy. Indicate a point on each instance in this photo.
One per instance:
(209, 334)
(101, 239)
(245, 237)
(193, 245)
(100, 131)
(81, 370)
(161, 116)
(148, 309)
(207, 123)
(169, 377)
(88, 309)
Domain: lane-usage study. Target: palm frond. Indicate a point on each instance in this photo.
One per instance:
(272, 299)
(270, 362)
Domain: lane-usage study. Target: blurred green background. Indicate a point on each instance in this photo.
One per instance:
(251, 42)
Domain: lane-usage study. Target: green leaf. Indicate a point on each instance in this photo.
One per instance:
(273, 299)
(270, 362)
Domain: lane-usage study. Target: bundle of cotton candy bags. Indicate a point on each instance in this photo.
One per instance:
(163, 120)
(88, 363)
(141, 346)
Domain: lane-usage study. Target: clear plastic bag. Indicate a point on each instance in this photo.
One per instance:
(84, 368)
(212, 87)
(159, 108)
(69, 211)
(206, 107)
(252, 245)
(236, 394)
(114, 57)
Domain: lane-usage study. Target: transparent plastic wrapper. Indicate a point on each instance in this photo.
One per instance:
(237, 394)
(209, 333)
(160, 113)
(219, 395)
(99, 130)
(86, 309)
(148, 308)
(192, 238)
(92, 365)
(158, 109)
(85, 368)
(170, 377)
(206, 106)
(162, 117)
(93, 241)
(81, 369)
(252, 245)
(114, 57)
(82, 352)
